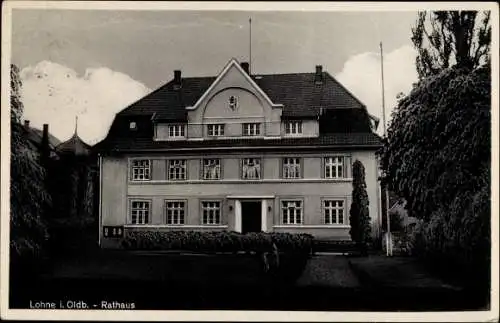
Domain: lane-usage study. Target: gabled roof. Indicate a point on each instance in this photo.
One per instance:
(297, 92)
(35, 135)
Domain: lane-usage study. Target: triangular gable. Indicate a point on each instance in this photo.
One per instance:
(233, 62)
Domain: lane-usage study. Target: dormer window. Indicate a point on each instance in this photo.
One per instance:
(215, 130)
(176, 131)
(293, 128)
(233, 102)
(251, 129)
(133, 125)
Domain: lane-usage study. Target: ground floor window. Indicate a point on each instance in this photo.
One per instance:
(291, 212)
(175, 212)
(333, 211)
(211, 212)
(140, 211)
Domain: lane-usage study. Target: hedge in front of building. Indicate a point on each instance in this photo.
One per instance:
(218, 241)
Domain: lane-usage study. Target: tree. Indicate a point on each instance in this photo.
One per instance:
(446, 38)
(28, 195)
(359, 217)
(438, 142)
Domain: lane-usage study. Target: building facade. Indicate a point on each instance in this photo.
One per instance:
(238, 152)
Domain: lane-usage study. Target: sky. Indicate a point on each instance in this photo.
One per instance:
(94, 63)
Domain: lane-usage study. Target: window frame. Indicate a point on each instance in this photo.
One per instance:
(215, 126)
(180, 133)
(334, 165)
(289, 126)
(185, 162)
(242, 165)
(184, 210)
(336, 208)
(282, 211)
(202, 211)
(131, 210)
(254, 129)
(284, 164)
(146, 169)
(203, 172)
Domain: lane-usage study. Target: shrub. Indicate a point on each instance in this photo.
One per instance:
(218, 241)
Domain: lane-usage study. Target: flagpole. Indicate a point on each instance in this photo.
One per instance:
(388, 234)
(250, 46)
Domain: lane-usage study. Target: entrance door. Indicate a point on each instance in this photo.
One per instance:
(251, 216)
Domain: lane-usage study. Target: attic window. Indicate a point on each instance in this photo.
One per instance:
(133, 125)
(233, 102)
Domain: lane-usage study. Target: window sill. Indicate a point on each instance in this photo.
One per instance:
(312, 226)
(186, 226)
(243, 181)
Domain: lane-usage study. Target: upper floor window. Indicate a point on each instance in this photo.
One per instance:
(251, 168)
(333, 211)
(291, 168)
(293, 127)
(291, 212)
(177, 169)
(233, 102)
(176, 131)
(175, 212)
(140, 211)
(133, 125)
(215, 130)
(334, 167)
(141, 170)
(251, 129)
(211, 169)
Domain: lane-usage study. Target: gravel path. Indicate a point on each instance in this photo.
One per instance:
(328, 271)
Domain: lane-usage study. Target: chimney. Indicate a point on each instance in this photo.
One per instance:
(45, 143)
(318, 77)
(246, 67)
(177, 79)
(27, 123)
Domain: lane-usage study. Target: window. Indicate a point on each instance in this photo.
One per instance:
(334, 167)
(251, 129)
(333, 211)
(133, 125)
(233, 102)
(211, 168)
(176, 131)
(251, 168)
(215, 130)
(291, 168)
(175, 212)
(141, 170)
(211, 212)
(291, 212)
(177, 169)
(140, 211)
(293, 127)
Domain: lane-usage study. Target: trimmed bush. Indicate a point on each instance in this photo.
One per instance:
(218, 241)
(283, 255)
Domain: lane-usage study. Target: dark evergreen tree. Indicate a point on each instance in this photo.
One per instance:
(359, 217)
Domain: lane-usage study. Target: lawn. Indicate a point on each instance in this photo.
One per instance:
(155, 281)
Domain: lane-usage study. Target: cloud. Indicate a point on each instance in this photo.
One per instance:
(55, 94)
(361, 74)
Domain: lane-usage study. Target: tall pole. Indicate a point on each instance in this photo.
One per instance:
(250, 41)
(388, 234)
